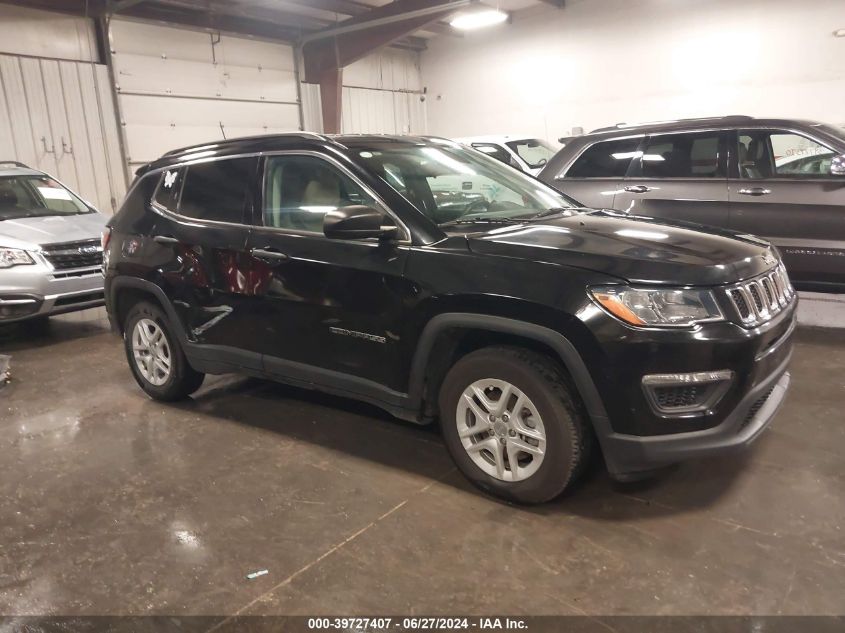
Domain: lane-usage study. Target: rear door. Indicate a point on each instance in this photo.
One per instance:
(595, 177)
(781, 189)
(679, 176)
(199, 249)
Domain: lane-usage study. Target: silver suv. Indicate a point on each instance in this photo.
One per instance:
(781, 179)
(51, 257)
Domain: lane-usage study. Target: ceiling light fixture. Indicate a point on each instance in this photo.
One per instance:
(470, 20)
(839, 33)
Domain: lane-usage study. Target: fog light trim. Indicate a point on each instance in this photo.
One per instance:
(707, 389)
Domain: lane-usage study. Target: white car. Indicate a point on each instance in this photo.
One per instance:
(523, 152)
(51, 256)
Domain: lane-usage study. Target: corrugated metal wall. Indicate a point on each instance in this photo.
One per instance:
(178, 87)
(382, 94)
(58, 116)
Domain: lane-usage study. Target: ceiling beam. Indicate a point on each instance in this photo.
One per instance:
(558, 4)
(121, 5)
(352, 8)
(234, 17)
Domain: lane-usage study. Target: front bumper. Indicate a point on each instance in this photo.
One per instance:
(28, 292)
(630, 454)
(635, 437)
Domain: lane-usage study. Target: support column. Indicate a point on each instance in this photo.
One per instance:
(331, 93)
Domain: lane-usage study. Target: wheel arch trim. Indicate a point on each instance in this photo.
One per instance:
(134, 283)
(567, 352)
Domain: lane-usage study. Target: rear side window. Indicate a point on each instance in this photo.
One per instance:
(217, 190)
(609, 159)
(170, 189)
(682, 156)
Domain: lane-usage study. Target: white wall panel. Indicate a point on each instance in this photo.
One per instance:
(61, 120)
(155, 124)
(25, 31)
(600, 62)
(180, 87)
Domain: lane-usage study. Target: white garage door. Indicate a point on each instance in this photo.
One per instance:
(58, 116)
(178, 87)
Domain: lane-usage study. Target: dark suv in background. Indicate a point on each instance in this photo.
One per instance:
(781, 179)
(530, 326)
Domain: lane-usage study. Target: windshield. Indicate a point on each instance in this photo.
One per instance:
(449, 183)
(533, 151)
(35, 196)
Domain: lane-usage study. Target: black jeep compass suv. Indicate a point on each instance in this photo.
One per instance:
(531, 327)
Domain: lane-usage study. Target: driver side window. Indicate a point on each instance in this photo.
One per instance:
(300, 190)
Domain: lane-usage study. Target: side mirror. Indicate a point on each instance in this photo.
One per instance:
(357, 222)
(837, 165)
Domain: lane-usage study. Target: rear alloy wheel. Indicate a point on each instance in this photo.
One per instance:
(512, 424)
(151, 351)
(155, 357)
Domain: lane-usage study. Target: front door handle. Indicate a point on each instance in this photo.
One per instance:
(269, 255)
(755, 191)
(165, 239)
(637, 189)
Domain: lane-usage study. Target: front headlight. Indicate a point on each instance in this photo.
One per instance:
(665, 307)
(14, 257)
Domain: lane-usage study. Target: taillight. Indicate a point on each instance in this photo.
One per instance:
(105, 238)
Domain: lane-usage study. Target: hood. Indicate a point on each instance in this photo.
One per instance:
(638, 250)
(31, 232)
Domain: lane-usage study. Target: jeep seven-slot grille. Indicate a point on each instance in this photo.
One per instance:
(760, 299)
(69, 255)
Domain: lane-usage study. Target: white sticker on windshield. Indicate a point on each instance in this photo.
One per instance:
(53, 193)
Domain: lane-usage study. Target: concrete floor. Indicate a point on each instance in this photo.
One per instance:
(113, 504)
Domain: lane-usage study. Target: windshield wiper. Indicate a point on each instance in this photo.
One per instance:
(550, 212)
(481, 220)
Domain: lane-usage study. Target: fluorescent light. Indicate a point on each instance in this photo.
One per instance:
(839, 33)
(478, 19)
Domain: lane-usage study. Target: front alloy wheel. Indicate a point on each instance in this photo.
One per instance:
(513, 424)
(501, 430)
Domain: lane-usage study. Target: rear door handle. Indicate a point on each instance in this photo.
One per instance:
(755, 191)
(269, 255)
(165, 239)
(637, 189)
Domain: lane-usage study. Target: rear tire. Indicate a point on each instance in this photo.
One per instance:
(501, 406)
(155, 356)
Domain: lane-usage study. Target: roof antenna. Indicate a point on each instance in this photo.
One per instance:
(222, 131)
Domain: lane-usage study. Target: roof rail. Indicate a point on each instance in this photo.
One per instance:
(622, 126)
(15, 163)
(230, 141)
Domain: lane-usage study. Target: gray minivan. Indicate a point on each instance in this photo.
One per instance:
(783, 180)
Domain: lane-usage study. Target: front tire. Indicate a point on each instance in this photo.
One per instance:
(512, 425)
(155, 356)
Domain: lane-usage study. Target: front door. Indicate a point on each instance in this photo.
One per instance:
(326, 311)
(679, 176)
(781, 189)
